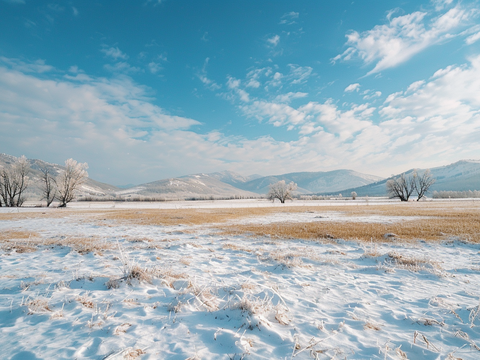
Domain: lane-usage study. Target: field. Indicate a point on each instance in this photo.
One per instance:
(241, 280)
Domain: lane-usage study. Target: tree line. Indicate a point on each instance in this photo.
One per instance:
(63, 187)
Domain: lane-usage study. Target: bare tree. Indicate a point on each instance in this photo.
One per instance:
(48, 185)
(13, 182)
(423, 183)
(281, 191)
(401, 187)
(69, 180)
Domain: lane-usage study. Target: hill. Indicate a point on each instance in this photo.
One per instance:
(313, 182)
(198, 186)
(462, 175)
(33, 192)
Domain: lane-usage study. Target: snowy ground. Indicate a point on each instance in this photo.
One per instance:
(185, 292)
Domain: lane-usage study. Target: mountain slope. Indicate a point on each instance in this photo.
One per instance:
(33, 192)
(190, 186)
(462, 175)
(313, 182)
(229, 177)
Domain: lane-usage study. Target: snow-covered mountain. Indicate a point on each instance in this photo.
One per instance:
(313, 182)
(229, 177)
(33, 192)
(190, 186)
(462, 175)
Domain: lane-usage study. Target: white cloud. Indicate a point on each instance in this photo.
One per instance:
(209, 83)
(75, 11)
(289, 18)
(114, 52)
(155, 2)
(274, 40)
(368, 94)
(276, 79)
(234, 85)
(472, 38)
(154, 67)
(299, 74)
(352, 87)
(441, 4)
(113, 123)
(254, 75)
(415, 86)
(452, 93)
(38, 66)
(404, 36)
(122, 67)
(288, 97)
(275, 113)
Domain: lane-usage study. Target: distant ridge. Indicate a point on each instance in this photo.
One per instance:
(33, 192)
(313, 182)
(462, 175)
(190, 186)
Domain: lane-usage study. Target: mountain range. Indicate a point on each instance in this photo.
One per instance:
(91, 187)
(460, 176)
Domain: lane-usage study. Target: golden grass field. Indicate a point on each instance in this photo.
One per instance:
(439, 220)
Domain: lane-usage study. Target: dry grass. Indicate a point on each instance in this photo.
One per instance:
(371, 252)
(169, 217)
(169, 277)
(236, 247)
(288, 259)
(371, 326)
(139, 274)
(20, 241)
(248, 286)
(86, 301)
(132, 354)
(24, 241)
(411, 262)
(439, 221)
(82, 245)
(185, 260)
(121, 329)
(7, 235)
(38, 306)
(112, 284)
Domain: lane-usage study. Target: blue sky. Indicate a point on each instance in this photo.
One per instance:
(145, 90)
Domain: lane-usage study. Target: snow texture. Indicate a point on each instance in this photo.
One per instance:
(199, 295)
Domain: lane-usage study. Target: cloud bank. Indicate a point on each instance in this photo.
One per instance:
(116, 126)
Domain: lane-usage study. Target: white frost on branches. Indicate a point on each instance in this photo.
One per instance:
(281, 191)
(69, 180)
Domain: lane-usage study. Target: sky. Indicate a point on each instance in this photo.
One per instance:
(147, 90)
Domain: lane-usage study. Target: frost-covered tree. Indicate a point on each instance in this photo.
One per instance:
(48, 185)
(354, 195)
(13, 182)
(423, 183)
(281, 191)
(401, 187)
(69, 180)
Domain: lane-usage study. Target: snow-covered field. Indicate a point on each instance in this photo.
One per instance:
(72, 287)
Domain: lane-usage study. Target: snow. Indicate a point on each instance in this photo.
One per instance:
(219, 297)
